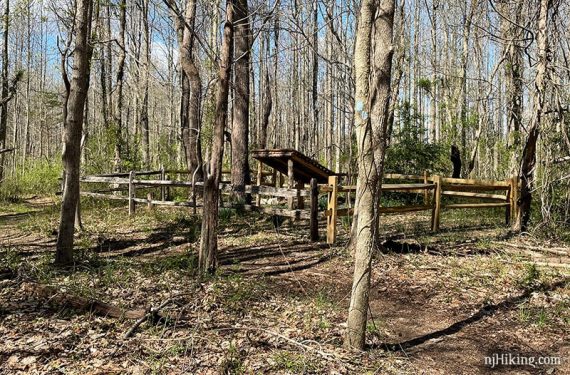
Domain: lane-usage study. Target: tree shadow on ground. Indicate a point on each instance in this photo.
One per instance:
(484, 311)
(172, 234)
(18, 217)
(273, 259)
(406, 247)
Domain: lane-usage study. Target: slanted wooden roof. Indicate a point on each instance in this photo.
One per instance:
(304, 168)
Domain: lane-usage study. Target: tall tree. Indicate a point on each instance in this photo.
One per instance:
(73, 126)
(373, 65)
(4, 104)
(528, 162)
(513, 33)
(120, 83)
(207, 258)
(143, 118)
(240, 173)
(191, 85)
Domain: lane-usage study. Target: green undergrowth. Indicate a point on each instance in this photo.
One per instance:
(38, 178)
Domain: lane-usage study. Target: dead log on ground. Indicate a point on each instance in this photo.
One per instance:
(57, 297)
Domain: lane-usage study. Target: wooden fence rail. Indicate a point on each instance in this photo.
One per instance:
(433, 189)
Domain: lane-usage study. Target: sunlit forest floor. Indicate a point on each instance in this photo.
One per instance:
(278, 304)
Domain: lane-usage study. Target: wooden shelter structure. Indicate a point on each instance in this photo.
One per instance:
(292, 162)
(298, 167)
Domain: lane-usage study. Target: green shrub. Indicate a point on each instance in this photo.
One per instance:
(38, 177)
(409, 152)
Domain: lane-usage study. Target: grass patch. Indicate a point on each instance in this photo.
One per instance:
(295, 363)
(37, 177)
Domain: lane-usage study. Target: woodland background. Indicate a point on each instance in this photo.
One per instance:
(464, 74)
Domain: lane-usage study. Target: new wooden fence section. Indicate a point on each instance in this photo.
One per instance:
(485, 193)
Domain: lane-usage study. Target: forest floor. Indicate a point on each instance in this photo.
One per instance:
(440, 303)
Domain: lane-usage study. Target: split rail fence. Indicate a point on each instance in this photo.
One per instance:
(432, 189)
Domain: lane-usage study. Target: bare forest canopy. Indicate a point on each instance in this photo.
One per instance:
(463, 74)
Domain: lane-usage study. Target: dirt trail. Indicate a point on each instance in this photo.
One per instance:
(437, 307)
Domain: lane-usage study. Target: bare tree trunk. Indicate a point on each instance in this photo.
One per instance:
(191, 100)
(529, 153)
(120, 82)
(463, 111)
(144, 121)
(240, 174)
(207, 259)
(4, 105)
(73, 128)
(267, 105)
(434, 82)
(514, 85)
(373, 65)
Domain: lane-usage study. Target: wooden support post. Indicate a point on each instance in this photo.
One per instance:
(132, 194)
(426, 193)
(167, 190)
(509, 200)
(314, 222)
(162, 188)
(332, 209)
(514, 203)
(274, 178)
(290, 182)
(149, 200)
(259, 177)
(435, 216)
(300, 199)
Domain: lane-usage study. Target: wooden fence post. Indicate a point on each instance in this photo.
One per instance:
(162, 188)
(167, 190)
(300, 199)
(132, 193)
(435, 216)
(259, 177)
(290, 182)
(426, 192)
(314, 223)
(514, 197)
(149, 200)
(332, 209)
(509, 200)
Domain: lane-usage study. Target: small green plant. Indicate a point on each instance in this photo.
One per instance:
(534, 315)
(531, 275)
(232, 363)
(9, 258)
(225, 215)
(180, 262)
(324, 323)
(372, 328)
(293, 362)
(322, 300)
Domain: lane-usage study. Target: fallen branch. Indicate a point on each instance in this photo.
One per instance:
(562, 160)
(290, 341)
(55, 296)
(541, 264)
(151, 314)
(6, 150)
(553, 250)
